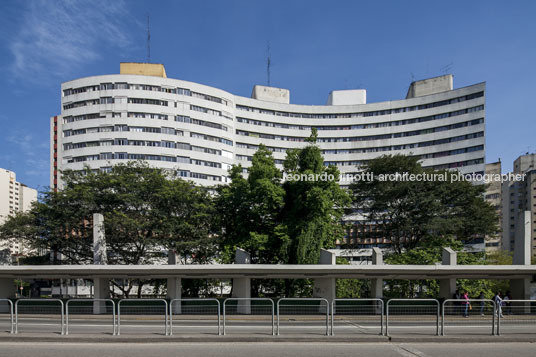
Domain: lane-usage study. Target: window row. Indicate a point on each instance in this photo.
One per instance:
(146, 87)
(360, 126)
(123, 128)
(362, 114)
(363, 138)
(376, 149)
(187, 119)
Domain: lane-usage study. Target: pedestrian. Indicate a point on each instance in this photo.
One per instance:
(498, 303)
(507, 303)
(457, 303)
(481, 297)
(465, 304)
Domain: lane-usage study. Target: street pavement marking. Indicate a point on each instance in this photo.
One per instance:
(408, 351)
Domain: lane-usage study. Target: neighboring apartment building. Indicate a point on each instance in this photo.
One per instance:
(14, 197)
(518, 197)
(494, 196)
(202, 131)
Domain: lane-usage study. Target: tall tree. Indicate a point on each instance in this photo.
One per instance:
(314, 203)
(146, 210)
(409, 212)
(249, 210)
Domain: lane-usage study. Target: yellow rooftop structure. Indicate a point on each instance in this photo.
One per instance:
(144, 69)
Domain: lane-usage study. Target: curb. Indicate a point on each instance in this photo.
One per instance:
(261, 339)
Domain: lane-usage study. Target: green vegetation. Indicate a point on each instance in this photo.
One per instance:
(410, 213)
(278, 221)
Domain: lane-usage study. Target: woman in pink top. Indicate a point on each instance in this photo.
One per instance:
(465, 303)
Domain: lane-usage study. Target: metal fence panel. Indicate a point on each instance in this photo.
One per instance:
(516, 316)
(37, 308)
(257, 311)
(6, 307)
(358, 314)
(195, 311)
(144, 310)
(90, 310)
(316, 309)
(468, 316)
(412, 314)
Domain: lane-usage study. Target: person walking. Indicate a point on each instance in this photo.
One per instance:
(481, 297)
(457, 304)
(498, 303)
(507, 303)
(465, 304)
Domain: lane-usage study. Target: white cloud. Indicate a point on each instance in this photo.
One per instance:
(57, 37)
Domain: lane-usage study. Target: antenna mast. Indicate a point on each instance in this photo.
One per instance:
(268, 63)
(148, 41)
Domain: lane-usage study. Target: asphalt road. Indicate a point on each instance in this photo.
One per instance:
(282, 349)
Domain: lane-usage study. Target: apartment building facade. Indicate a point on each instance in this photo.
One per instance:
(15, 197)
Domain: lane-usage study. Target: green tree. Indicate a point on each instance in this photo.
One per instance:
(146, 210)
(314, 204)
(249, 211)
(409, 212)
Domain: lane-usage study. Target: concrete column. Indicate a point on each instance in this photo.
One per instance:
(242, 286)
(101, 286)
(101, 290)
(447, 287)
(376, 290)
(99, 240)
(174, 284)
(7, 288)
(325, 287)
(520, 288)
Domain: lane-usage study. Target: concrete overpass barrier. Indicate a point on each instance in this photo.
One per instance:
(36, 308)
(303, 311)
(198, 310)
(468, 316)
(6, 306)
(367, 313)
(257, 310)
(90, 307)
(143, 310)
(412, 313)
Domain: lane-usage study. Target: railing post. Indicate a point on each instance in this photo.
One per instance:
(387, 319)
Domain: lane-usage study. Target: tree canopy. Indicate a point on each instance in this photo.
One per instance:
(410, 212)
(146, 211)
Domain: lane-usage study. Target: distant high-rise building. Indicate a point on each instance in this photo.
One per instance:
(14, 197)
(494, 197)
(518, 197)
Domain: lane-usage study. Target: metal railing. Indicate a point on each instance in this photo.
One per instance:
(515, 316)
(44, 303)
(304, 309)
(475, 310)
(98, 307)
(140, 304)
(182, 306)
(246, 306)
(11, 314)
(366, 310)
(432, 308)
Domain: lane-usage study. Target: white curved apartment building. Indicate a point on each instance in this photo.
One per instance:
(201, 131)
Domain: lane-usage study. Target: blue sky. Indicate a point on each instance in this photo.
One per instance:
(316, 47)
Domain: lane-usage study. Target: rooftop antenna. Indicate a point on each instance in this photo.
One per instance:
(447, 68)
(148, 40)
(268, 63)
